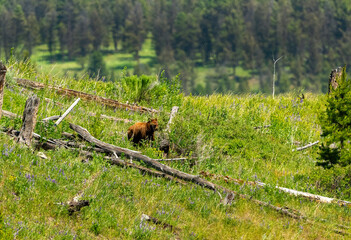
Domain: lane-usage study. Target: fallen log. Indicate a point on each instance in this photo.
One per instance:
(170, 159)
(164, 225)
(10, 114)
(89, 113)
(176, 173)
(82, 95)
(307, 146)
(3, 71)
(287, 190)
(117, 161)
(29, 120)
(52, 118)
(67, 112)
(311, 196)
(74, 206)
(137, 155)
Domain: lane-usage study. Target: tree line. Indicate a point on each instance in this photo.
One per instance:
(312, 36)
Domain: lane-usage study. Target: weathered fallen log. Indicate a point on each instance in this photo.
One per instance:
(137, 155)
(10, 114)
(29, 120)
(76, 206)
(287, 190)
(117, 161)
(176, 173)
(164, 225)
(103, 116)
(307, 146)
(67, 112)
(52, 118)
(311, 196)
(3, 71)
(170, 159)
(82, 95)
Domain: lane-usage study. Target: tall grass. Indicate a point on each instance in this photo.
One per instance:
(218, 131)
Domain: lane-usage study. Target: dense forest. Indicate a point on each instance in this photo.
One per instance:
(312, 37)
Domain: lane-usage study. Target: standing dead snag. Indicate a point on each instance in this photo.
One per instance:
(164, 144)
(29, 120)
(334, 75)
(2, 84)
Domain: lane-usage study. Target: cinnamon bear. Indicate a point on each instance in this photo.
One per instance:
(143, 131)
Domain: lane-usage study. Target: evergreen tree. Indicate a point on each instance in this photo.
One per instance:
(336, 125)
(135, 30)
(97, 66)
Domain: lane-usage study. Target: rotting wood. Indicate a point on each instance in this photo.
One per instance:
(103, 116)
(69, 136)
(29, 120)
(117, 161)
(52, 118)
(76, 206)
(82, 95)
(3, 71)
(10, 114)
(265, 126)
(311, 196)
(179, 174)
(307, 146)
(67, 112)
(171, 159)
(175, 230)
(137, 155)
(228, 199)
(283, 210)
(287, 190)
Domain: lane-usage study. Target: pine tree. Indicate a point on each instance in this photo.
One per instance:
(97, 66)
(336, 125)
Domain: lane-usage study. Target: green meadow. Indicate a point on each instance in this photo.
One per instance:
(215, 133)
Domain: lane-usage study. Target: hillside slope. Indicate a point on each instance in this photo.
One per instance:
(216, 134)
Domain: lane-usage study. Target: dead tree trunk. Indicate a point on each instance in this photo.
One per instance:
(2, 84)
(333, 78)
(165, 144)
(29, 120)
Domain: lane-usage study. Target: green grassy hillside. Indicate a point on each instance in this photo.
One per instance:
(215, 133)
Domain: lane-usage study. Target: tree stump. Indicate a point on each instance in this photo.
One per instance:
(334, 75)
(2, 84)
(29, 120)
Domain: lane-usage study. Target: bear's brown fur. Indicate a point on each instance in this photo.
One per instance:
(143, 131)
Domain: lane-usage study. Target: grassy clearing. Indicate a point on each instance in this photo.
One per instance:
(217, 130)
(117, 61)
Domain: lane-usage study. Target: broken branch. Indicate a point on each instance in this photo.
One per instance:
(67, 112)
(307, 146)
